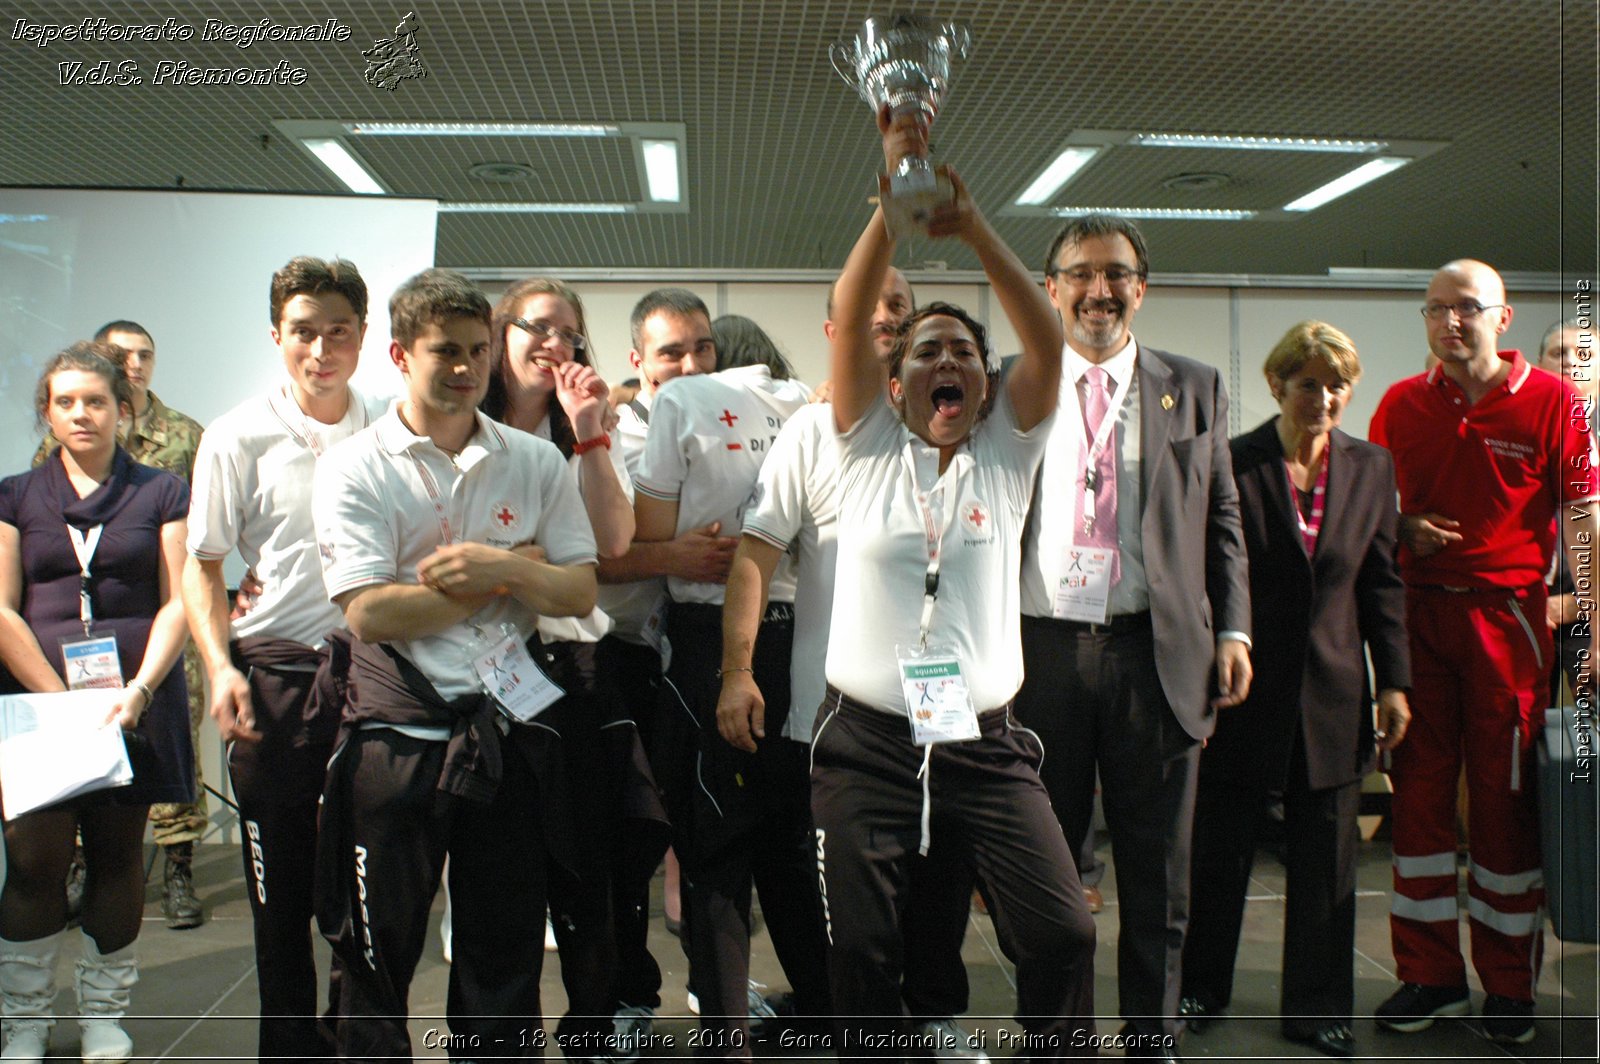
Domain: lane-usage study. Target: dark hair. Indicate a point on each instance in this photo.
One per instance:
(1101, 224)
(431, 297)
(741, 342)
(497, 399)
(307, 276)
(980, 335)
(88, 356)
(123, 325)
(1558, 328)
(668, 300)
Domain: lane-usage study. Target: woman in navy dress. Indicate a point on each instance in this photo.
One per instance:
(48, 518)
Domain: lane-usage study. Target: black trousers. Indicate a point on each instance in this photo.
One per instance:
(739, 819)
(635, 672)
(277, 783)
(401, 827)
(1322, 841)
(987, 803)
(933, 922)
(1095, 700)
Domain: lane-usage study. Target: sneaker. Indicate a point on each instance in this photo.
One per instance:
(693, 1001)
(549, 936)
(1507, 1020)
(948, 1040)
(631, 1027)
(1414, 1007)
(761, 1009)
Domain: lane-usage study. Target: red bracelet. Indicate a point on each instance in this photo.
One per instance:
(585, 446)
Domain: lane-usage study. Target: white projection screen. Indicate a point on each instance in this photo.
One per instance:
(193, 268)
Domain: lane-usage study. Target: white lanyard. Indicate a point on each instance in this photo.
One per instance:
(1093, 448)
(84, 546)
(944, 497)
(299, 426)
(435, 497)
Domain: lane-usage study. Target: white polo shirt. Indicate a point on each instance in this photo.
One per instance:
(629, 605)
(708, 438)
(592, 628)
(252, 492)
(796, 507)
(883, 554)
(388, 498)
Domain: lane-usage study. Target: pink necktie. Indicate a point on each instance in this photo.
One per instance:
(1099, 475)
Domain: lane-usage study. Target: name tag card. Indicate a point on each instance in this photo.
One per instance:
(92, 662)
(937, 699)
(512, 679)
(1085, 585)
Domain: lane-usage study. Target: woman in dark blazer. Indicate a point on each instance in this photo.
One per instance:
(1319, 516)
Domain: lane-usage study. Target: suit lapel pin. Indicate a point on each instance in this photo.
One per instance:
(1167, 402)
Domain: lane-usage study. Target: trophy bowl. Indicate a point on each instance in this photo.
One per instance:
(903, 62)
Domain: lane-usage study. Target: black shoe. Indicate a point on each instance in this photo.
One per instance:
(75, 876)
(1196, 1014)
(178, 902)
(1414, 1007)
(1333, 1039)
(1507, 1020)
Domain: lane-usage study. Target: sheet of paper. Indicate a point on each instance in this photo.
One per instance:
(54, 747)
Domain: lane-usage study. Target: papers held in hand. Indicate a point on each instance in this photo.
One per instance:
(57, 746)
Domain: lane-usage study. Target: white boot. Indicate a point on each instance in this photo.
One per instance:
(27, 990)
(104, 984)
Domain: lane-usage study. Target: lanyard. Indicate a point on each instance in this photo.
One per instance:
(1312, 528)
(1095, 447)
(84, 545)
(299, 426)
(435, 497)
(944, 497)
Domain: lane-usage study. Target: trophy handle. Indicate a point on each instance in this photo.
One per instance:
(839, 54)
(960, 40)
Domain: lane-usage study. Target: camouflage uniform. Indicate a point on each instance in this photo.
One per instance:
(165, 439)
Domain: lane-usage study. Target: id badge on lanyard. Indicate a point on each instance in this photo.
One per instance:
(512, 678)
(932, 679)
(1084, 589)
(91, 661)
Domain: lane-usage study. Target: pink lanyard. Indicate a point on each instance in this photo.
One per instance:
(436, 498)
(1310, 527)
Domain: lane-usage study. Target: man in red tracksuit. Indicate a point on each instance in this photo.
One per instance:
(1487, 454)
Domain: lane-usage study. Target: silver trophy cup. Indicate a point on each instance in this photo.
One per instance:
(903, 62)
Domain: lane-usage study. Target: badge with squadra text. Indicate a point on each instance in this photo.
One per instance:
(937, 699)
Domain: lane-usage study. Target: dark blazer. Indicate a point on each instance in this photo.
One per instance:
(1315, 616)
(1194, 554)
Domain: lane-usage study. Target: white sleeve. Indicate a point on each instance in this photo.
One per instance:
(663, 467)
(781, 488)
(564, 531)
(223, 480)
(356, 536)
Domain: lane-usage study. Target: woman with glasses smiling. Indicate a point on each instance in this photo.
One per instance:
(542, 382)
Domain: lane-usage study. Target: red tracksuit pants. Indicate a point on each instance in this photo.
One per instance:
(1480, 675)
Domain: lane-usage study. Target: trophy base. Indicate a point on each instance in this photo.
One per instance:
(912, 198)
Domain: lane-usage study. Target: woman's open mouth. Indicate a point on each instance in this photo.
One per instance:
(948, 400)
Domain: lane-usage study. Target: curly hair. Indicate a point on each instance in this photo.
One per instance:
(980, 336)
(498, 398)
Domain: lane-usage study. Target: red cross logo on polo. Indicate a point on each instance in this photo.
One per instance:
(976, 518)
(505, 514)
(728, 418)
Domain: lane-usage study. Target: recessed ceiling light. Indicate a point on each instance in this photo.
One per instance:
(1361, 175)
(661, 170)
(1252, 143)
(1199, 182)
(1055, 176)
(467, 207)
(1166, 213)
(501, 172)
(482, 129)
(332, 153)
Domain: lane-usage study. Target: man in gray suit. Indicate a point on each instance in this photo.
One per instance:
(1135, 600)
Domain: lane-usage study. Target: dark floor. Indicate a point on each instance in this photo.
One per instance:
(197, 1000)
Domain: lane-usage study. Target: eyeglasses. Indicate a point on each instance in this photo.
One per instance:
(1083, 276)
(543, 331)
(1465, 310)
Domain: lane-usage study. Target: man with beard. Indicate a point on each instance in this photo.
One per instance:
(1130, 610)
